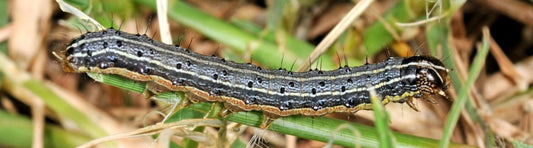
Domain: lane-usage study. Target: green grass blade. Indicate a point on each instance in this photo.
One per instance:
(236, 38)
(58, 105)
(462, 96)
(17, 132)
(318, 128)
(22, 84)
(518, 144)
(4, 18)
(376, 36)
(386, 139)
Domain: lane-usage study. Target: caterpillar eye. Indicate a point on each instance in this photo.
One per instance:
(445, 86)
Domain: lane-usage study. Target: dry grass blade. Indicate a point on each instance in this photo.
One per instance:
(336, 32)
(506, 65)
(5, 31)
(37, 109)
(30, 26)
(181, 128)
(515, 9)
(523, 68)
(463, 95)
(508, 131)
(65, 7)
(162, 9)
(422, 22)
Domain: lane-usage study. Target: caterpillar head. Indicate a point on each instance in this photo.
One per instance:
(430, 74)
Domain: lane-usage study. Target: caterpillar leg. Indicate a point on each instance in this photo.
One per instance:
(229, 109)
(152, 89)
(410, 102)
(268, 119)
(431, 100)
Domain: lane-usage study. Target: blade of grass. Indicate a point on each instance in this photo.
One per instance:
(236, 37)
(292, 43)
(318, 128)
(22, 85)
(173, 97)
(376, 36)
(386, 139)
(4, 18)
(19, 129)
(187, 113)
(354, 13)
(437, 37)
(519, 144)
(457, 106)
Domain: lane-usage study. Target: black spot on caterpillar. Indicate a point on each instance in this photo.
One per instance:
(245, 87)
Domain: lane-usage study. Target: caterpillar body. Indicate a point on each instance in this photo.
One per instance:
(246, 87)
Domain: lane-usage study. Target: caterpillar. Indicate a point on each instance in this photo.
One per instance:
(246, 87)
